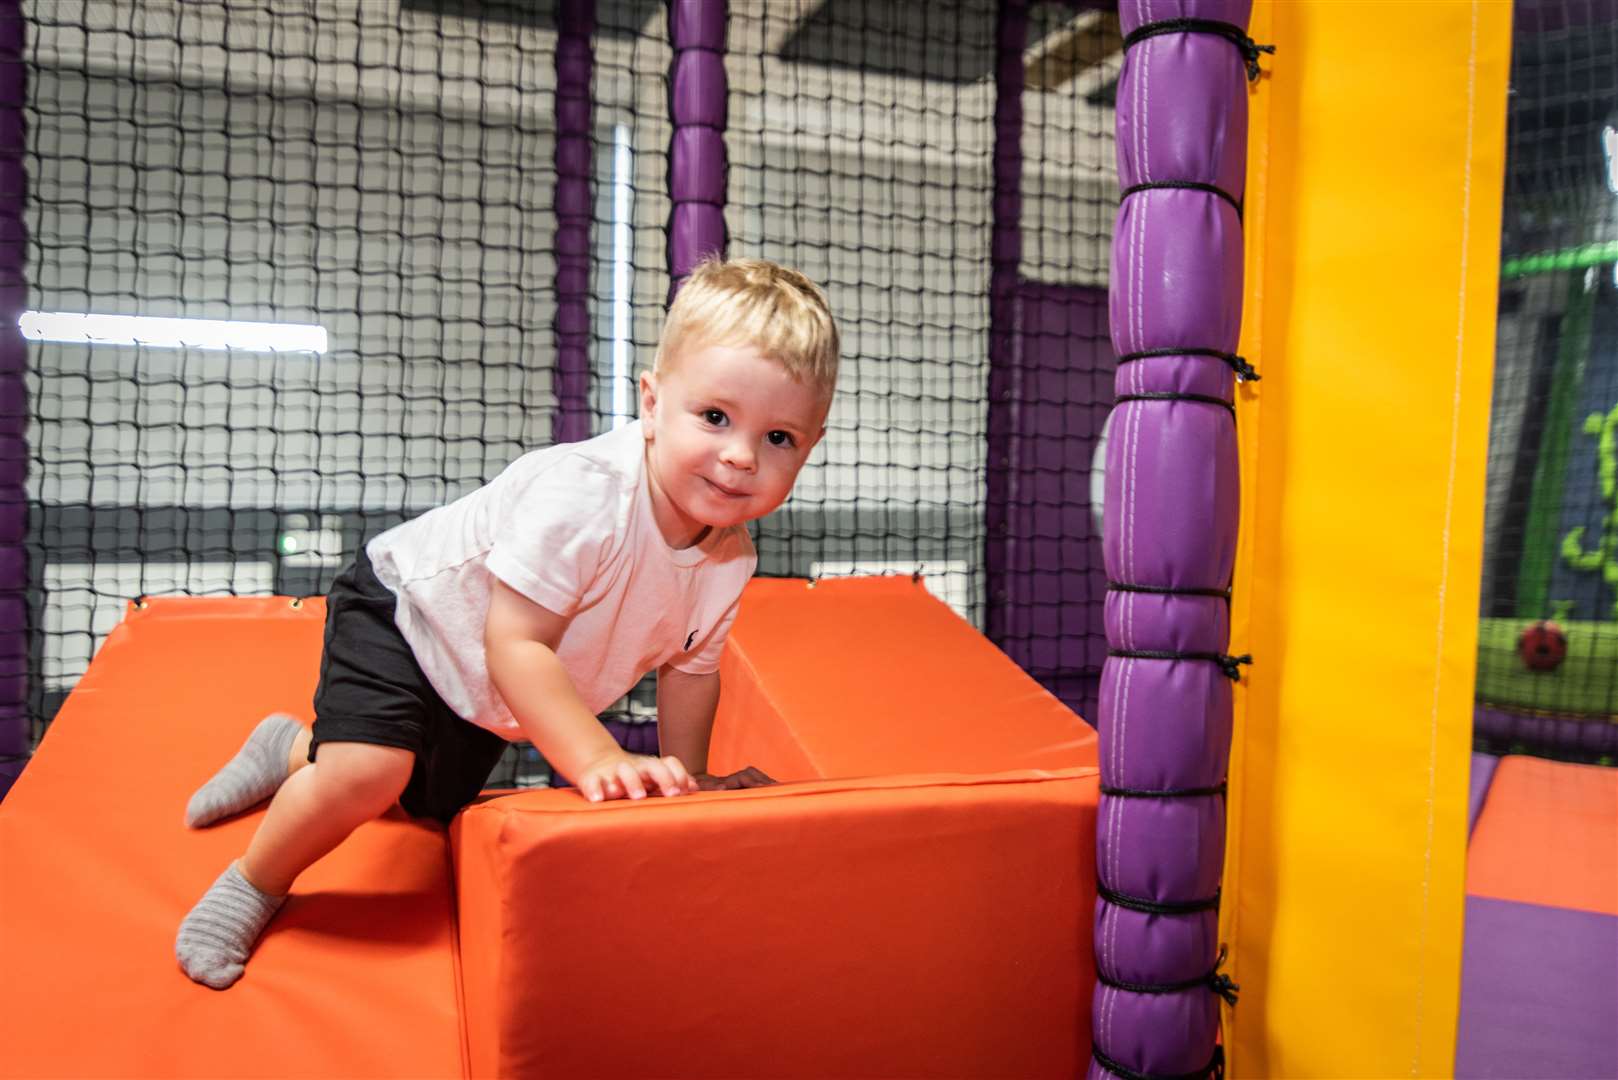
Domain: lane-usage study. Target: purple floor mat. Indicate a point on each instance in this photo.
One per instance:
(1539, 993)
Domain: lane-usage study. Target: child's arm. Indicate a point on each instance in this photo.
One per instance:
(685, 711)
(519, 640)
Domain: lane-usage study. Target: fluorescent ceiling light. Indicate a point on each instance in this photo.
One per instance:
(1609, 146)
(155, 332)
(623, 240)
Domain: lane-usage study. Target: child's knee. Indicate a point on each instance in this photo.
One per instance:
(365, 777)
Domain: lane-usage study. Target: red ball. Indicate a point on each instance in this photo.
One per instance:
(1542, 646)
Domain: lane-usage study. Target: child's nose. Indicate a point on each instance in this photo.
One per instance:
(738, 454)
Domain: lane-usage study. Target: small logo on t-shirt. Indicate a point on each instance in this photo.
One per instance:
(689, 640)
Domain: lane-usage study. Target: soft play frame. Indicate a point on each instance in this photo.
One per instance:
(1371, 228)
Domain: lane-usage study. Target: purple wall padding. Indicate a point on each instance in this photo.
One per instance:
(14, 734)
(1171, 514)
(575, 23)
(697, 106)
(1592, 736)
(1061, 372)
(1048, 369)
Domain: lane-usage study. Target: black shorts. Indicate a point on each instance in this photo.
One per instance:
(373, 691)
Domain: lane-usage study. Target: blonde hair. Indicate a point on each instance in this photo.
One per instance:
(755, 302)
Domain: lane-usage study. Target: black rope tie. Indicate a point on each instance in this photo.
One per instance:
(1245, 372)
(1249, 49)
(1162, 793)
(1214, 980)
(1184, 185)
(1203, 398)
(1215, 1068)
(1230, 665)
(1163, 590)
(1157, 907)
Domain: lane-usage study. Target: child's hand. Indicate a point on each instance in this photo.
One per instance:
(620, 776)
(748, 777)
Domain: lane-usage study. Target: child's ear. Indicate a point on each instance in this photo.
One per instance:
(648, 398)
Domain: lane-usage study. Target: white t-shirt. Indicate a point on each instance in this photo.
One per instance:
(571, 528)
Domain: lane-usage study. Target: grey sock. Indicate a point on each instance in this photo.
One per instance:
(217, 936)
(250, 777)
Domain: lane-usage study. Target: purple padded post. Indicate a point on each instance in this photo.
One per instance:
(1005, 256)
(697, 107)
(575, 23)
(14, 734)
(1170, 540)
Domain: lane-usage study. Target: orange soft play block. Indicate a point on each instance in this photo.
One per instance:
(355, 978)
(874, 676)
(1548, 835)
(930, 919)
(921, 926)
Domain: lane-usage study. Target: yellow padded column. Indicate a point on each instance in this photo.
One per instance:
(1373, 232)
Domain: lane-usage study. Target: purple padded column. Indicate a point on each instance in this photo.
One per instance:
(1170, 538)
(575, 23)
(697, 106)
(1005, 256)
(14, 733)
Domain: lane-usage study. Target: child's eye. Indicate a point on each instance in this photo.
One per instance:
(779, 438)
(716, 417)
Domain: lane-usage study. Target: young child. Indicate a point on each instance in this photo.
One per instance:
(528, 606)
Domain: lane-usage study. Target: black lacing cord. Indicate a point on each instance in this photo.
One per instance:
(1162, 793)
(1215, 1068)
(1249, 49)
(1183, 185)
(1206, 399)
(1229, 665)
(1157, 907)
(1163, 590)
(1245, 372)
(1214, 980)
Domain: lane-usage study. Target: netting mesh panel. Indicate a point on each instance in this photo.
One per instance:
(860, 142)
(861, 146)
(630, 284)
(1069, 153)
(1069, 190)
(1551, 543)
(389, 171)
(366, 168)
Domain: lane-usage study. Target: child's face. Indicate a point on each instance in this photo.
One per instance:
(727, 430)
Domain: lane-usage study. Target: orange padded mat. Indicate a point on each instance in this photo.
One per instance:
(1548, 835)
(919, 926)
(355, 978)
(874, 676)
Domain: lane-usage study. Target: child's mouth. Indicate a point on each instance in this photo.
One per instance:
(725, 491)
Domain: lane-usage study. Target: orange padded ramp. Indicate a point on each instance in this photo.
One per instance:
(355, 978)
(919, 926)
(875, 676)
(1548, 835)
